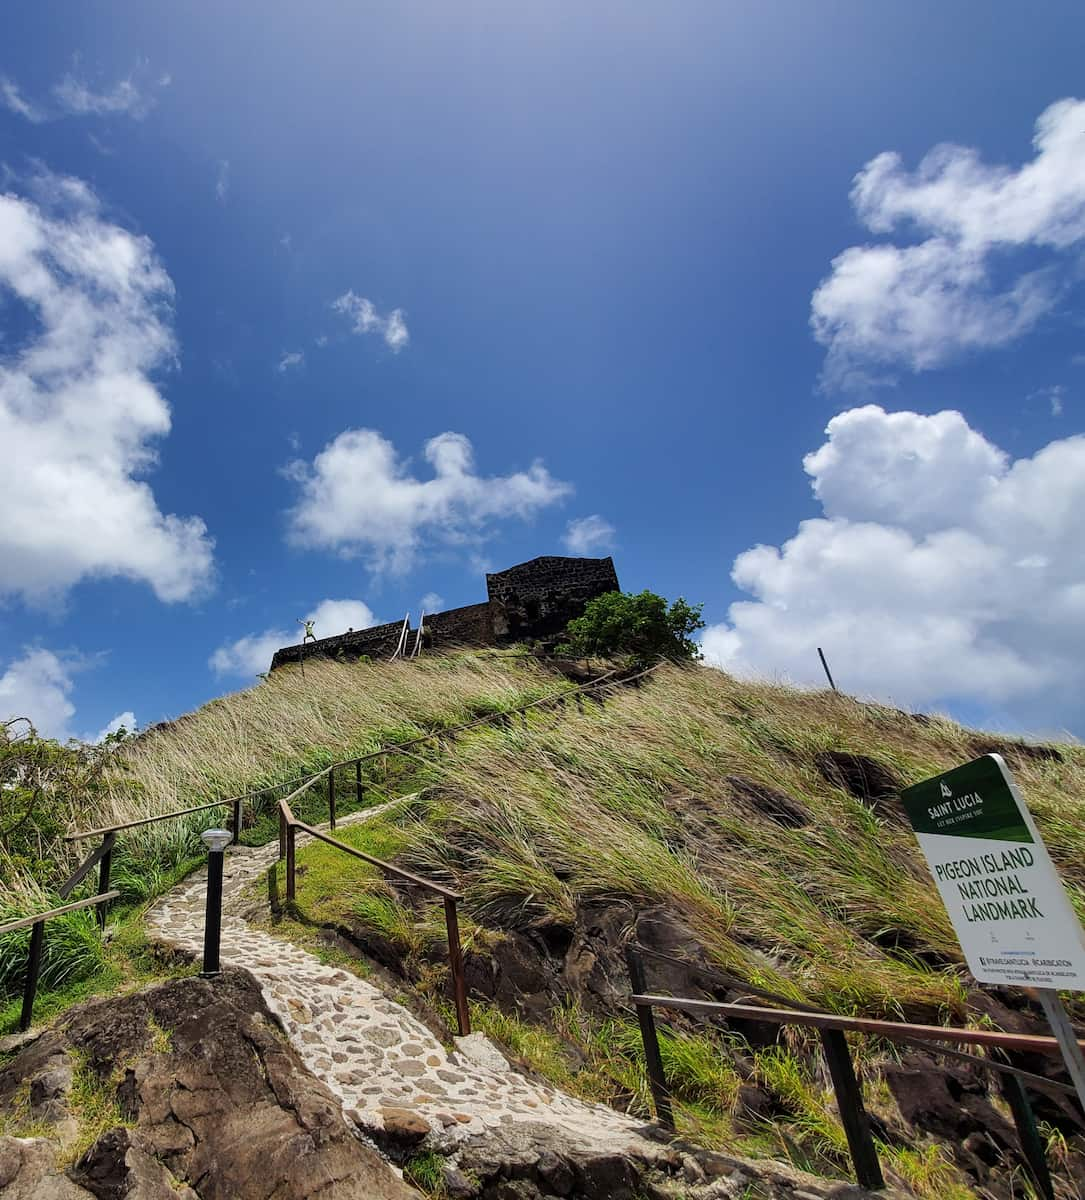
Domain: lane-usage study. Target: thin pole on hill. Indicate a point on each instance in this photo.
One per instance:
(828, 674)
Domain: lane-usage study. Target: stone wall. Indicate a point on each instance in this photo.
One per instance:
(532, 601)
(537, 599)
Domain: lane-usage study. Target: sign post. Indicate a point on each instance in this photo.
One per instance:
(1003, 895)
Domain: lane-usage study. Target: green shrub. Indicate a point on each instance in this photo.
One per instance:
(641, 625)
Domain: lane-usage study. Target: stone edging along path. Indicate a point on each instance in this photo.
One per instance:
(382, 1063)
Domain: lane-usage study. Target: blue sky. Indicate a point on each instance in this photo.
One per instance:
(256, 266)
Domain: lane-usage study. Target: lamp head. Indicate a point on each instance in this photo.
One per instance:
(216, 840)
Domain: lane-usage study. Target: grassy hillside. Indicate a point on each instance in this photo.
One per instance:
(758, 822)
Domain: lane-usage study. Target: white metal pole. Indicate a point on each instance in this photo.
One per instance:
(1064, 1033)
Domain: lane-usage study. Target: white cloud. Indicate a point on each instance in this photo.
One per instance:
(331, 617)
(13, 99)
(222, 181)
(38, 686)
(74, 97)
(941, 572)
(365, 319)
(124, 720)
(79, 414)
(588, 535)
(291, 358)
(431, 602)
(964, 286)
(358, 497)
(251, 655)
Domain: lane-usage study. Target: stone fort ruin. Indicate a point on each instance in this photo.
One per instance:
(532, 601)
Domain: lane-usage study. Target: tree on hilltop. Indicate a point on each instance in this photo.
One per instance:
(641, 625)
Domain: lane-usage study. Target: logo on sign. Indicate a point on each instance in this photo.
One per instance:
(946, 792)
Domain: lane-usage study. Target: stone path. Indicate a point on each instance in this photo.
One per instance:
(385, 1066)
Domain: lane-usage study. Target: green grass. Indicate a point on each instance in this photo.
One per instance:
(127, 961)
(426, 1172)
(93, 1103)
(632, 801)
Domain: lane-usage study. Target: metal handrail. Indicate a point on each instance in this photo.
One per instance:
(288, 829)
(36, 925)
(180, 812)
(37, 918)
(832, 1027)
(1023, 1042)
(1003, 1068)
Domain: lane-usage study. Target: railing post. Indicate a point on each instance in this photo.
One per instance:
(1032, 1146)
(849, 1100)
(236, 828)
(455, 961)
(358, 782)
(282, 835)
(33, 970)
(653, 1060)
(105, 863)
(331, 799)
(291, 832)
(216, 841)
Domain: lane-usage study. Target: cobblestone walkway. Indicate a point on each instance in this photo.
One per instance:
(386, 1067)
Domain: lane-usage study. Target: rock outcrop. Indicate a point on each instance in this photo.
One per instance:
(214, 1104)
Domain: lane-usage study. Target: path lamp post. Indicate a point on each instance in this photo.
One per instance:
(216, 841)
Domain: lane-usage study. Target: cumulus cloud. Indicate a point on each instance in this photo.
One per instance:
(291, 358)
(941, 572)
(38, 685)
(589, 535)
(431, 602)
(79, 413)
(248, 656)
(358, 497)
(970, 280)
(124, 720)
(364, 318)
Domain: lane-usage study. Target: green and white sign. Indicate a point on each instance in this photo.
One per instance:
(997, 881)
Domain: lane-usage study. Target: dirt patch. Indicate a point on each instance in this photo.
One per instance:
(770, 802)
(864, 778)
(1015, 752)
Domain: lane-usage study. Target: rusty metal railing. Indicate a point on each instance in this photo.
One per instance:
(36, 925)
(289, 826)
(831, 1028)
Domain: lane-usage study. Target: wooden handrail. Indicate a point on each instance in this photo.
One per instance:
(27, 922)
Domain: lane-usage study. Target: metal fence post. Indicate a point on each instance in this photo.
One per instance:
(237, 822)
(653, 1060)
(1032, 1146)
(849, 1100)
(104, 865)
(455, 962)
(33, 970)
(282, 835)
(291, 832)
(331, 798)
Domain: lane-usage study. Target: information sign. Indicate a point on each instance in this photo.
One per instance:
(997, 881)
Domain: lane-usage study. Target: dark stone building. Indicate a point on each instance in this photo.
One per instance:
(532, 601)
